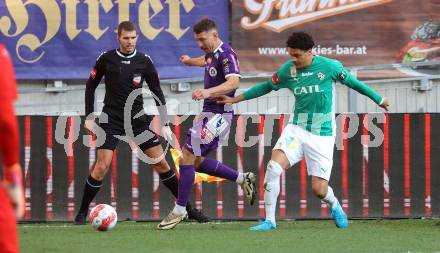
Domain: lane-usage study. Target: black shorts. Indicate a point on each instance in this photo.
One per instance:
(115, 127)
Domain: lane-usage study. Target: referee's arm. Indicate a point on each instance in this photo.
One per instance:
(93, 82)
(153, 82)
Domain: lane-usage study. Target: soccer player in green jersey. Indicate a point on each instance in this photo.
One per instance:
(311, 132)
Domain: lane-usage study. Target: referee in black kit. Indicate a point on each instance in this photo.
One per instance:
(125, 69)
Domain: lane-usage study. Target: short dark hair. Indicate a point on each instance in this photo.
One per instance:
(204, 25)
(126, 26)
(300, 40)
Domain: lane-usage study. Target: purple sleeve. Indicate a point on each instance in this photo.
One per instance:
(230, 65)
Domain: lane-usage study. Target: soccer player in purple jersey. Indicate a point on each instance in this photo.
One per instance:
(222, 76)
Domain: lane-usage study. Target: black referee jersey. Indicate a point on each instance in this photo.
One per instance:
(123, 74)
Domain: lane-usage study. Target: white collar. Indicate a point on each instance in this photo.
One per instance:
(218, 48)
(128, 56)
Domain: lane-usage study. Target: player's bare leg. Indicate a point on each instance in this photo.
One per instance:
(323, 191)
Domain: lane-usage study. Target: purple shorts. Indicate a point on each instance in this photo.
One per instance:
(208, 132)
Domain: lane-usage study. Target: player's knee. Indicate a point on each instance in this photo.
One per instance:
(161, 167)
(319, 190)
(187, 157)
(100, 170)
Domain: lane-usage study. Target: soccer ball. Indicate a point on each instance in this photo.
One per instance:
(103, 217)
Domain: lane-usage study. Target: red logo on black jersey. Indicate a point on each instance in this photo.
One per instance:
(275, 79)
(137, 78)
(93, 73)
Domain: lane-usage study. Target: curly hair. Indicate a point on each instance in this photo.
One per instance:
(300, 40)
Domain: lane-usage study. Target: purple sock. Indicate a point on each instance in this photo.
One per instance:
(186, 181)
(215, 168)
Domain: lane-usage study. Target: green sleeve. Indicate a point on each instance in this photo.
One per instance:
(258, 90)
(352, 82)
(344, 76)
(278, 81)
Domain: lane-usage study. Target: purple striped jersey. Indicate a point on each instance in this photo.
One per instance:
(219, 64)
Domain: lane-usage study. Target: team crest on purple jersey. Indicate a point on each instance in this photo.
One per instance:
(212, 71)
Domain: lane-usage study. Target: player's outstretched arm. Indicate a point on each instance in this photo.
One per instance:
(258, 90)
(232, 83)
(196, 61)
(153, 83)
(385, 103)
(349, 80)
(223, 99)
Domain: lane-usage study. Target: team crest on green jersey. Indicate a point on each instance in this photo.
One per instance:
(275, 79)
(293, 71)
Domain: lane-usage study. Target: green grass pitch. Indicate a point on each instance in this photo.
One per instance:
(291, 236)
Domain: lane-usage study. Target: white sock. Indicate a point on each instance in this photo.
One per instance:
(272, 189)
(179, 209)
(330, 198)
(240, 178)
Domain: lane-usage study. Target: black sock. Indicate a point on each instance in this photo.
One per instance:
(169, 179)
(91, 187)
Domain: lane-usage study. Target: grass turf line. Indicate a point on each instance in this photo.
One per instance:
(291, 236)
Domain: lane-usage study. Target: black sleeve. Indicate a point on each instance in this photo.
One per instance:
(153, 82)
(93, 82)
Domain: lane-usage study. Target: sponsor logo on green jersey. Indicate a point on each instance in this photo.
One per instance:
(307, 90)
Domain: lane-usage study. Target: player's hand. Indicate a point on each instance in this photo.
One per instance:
(13, 183)
(167, 133)
(385, 103)
(88, 126)
(170, 137)
(199, 94)
(185, 59)
(223, 99)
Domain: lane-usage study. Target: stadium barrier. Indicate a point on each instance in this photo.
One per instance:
(394, 179)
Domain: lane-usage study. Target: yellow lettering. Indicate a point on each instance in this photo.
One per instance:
(71, 28)
(145, 18)
(52, 16)
(20, 16)
(124, 10)
(15, 24)
(93, 26)
(32, 42)
(174, 16)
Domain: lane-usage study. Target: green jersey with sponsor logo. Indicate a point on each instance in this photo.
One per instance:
(313, 88)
